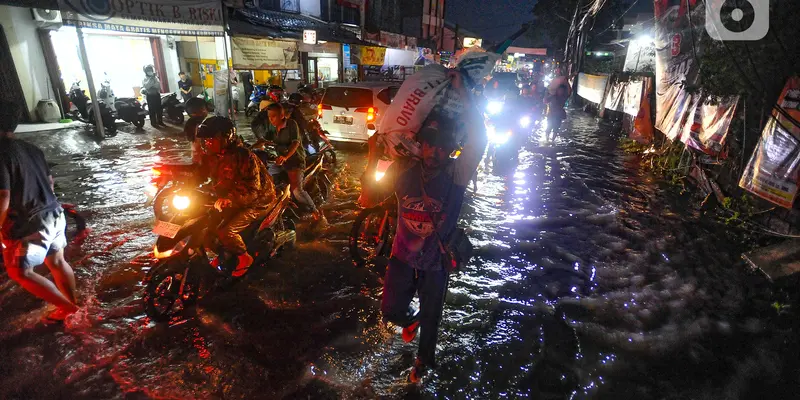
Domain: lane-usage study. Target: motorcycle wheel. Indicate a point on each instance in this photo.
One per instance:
(371, 235)
(162, 298)
(330, 160)
(139, 123)
(250, 111)
(178, 118)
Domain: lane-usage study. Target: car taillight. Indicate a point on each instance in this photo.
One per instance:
(321, 107)
(370, 113)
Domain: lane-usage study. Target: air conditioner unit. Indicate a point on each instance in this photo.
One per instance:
(44, 18)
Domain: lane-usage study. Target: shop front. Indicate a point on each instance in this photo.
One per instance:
(322, 63)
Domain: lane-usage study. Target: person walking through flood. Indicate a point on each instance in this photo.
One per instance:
(430, 193)
(32, 220)
(556, 100)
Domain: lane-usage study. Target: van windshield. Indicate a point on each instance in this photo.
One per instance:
(348, 97)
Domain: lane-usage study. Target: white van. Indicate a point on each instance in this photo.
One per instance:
(350, 112)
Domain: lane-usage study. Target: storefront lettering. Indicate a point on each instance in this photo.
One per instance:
(133, 8)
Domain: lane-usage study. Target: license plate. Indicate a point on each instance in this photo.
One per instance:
(168, 229)
(342, 119)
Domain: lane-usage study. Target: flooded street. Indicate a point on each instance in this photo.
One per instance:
(592, 279)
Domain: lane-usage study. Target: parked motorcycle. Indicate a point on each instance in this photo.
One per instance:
(259, 92)
(185, 273)
(173, 108)
(127, 109)
(83, 111)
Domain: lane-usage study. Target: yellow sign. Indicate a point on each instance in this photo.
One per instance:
(472, 42)
(373, 55)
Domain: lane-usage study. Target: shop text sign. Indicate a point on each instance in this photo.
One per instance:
(262, 54)
(198, 17)
(309, 36)
(191, 11)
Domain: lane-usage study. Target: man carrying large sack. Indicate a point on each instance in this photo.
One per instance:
(430, 190)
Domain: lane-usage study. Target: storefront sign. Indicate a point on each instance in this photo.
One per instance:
(392, 40)
(592, 87)
(327, 48)
(472, 42)
(309, 36)
(264, 54)
(367, 55)
(774, 169)
(164, 17)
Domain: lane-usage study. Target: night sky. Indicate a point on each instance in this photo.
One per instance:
(494, 19)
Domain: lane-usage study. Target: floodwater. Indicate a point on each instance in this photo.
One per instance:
(592, 279)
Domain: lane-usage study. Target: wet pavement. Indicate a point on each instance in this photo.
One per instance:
(592, 280)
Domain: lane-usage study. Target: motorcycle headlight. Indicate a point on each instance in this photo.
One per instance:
(494, 107)
(180, 202)
(379, 175)
(525, 121)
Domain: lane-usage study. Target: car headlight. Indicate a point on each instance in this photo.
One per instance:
(525, 121)
(494, 107)
(180, 202)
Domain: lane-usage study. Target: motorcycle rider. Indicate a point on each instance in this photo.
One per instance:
(292, 156)
(197, 109)
(151, 89)
(241, 182)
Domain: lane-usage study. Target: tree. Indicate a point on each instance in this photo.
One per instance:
(553, 18)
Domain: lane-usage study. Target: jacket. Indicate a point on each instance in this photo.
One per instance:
(241, 177)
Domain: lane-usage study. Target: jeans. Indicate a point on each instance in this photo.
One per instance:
(154, 108)
(400, 284)
(296, 182)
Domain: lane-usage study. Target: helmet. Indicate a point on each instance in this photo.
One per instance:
(217, 127)
(273, 97)
(295, 98)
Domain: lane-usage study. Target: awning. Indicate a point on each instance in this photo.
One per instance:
(275, 24)
(159, 17)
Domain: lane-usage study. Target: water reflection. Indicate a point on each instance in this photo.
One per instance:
(585, 284)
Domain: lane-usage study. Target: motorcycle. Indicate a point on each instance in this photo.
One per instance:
(184, 272)
(259, 91)
(167, 180)
(173, 108)
(373, 230)
(83, 111)
(315, 178)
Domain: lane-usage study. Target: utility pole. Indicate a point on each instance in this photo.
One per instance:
(98, 118)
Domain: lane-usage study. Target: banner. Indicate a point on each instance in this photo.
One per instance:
(367, 55)
(773, 172)
(221, 79)
(155, 17)
(642, 131)
(708, 123)
(249, 54)
(592, 87)
(676, 61)
(632, 98)
(615, 96)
